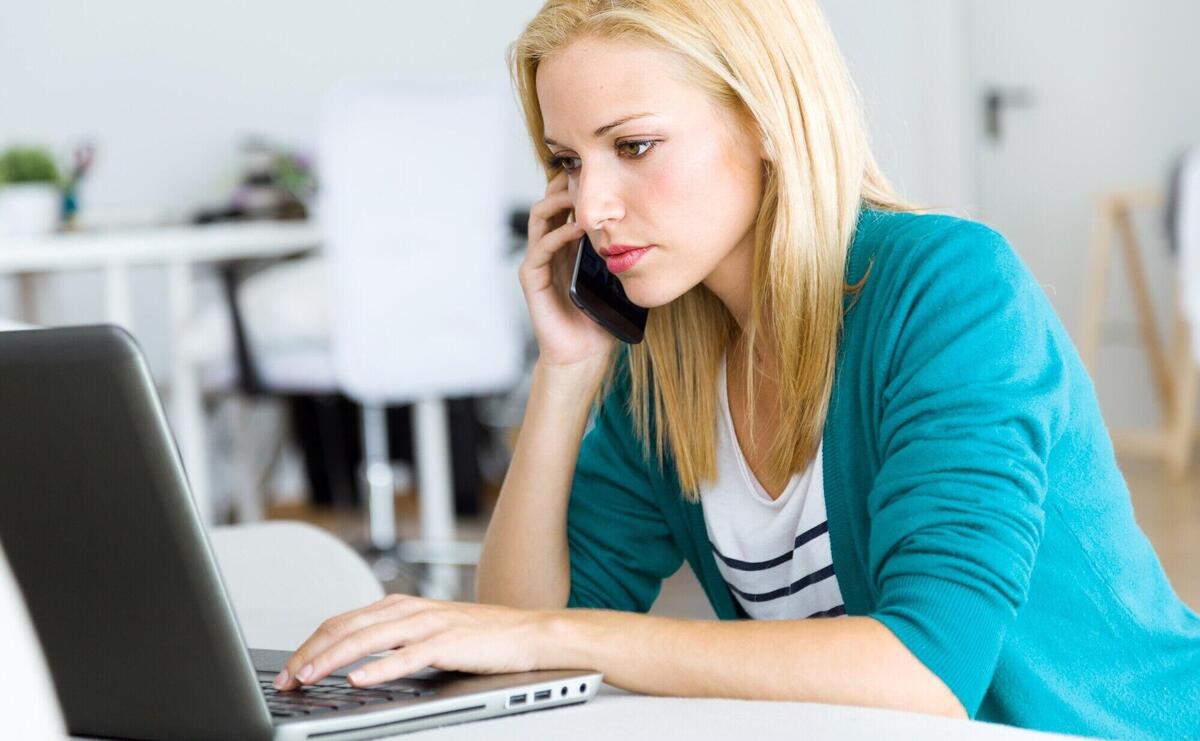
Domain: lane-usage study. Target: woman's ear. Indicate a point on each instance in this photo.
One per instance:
(764, 151)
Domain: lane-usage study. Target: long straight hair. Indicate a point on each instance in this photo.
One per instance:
(775, 65)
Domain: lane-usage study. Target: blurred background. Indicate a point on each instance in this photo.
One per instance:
(311, 215)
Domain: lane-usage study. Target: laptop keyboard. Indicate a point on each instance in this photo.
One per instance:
(331, 695)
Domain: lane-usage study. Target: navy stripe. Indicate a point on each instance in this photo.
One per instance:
(801, 539)
(733, 563)
(808, 535)
(831, 612)
(796, 586)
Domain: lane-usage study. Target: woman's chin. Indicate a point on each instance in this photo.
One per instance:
(648, 296)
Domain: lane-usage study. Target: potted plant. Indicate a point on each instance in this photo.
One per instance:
(30, 198)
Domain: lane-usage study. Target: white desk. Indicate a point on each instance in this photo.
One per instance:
(617, 714)
(178, 248)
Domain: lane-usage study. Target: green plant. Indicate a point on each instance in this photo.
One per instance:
(27, 165)
(294, 174)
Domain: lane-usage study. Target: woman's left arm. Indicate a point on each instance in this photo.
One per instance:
(840, 661)
(844, 661)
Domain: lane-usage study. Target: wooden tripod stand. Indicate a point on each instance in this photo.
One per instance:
(1174, 371)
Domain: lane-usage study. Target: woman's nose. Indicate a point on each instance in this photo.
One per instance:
(597, 198)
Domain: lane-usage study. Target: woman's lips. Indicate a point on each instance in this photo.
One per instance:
(626, 260)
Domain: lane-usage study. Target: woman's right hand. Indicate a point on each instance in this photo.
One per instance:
(566, 336)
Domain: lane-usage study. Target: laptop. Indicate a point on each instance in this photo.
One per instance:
(105, 542)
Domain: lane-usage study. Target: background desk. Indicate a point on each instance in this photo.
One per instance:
(177, 248)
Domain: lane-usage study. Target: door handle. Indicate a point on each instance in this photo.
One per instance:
(996, 99)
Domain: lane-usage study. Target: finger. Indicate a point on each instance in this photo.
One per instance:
(543, 251)
(558, 200)
(548, 213)
(558, 182)
(401, 663)
(391, 607)
(373, 639)
(326, 633)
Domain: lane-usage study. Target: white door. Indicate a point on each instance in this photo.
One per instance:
(1073, 98)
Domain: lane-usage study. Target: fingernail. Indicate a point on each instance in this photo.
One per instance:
(281, 679)
(356, 677)
(304, 673)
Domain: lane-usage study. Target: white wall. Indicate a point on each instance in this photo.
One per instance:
(909, 58)
(169, 89)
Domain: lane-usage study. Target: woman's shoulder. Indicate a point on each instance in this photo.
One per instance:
(887, 241)
(907, 254)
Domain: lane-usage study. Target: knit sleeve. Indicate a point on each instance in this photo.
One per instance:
(620, 544)
(973, 399)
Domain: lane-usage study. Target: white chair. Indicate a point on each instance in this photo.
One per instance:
(285, 578)
(9, 325)
(28, 706)
(412, 204)
(420, 293)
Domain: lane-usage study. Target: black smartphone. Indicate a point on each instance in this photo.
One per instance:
(599, 294)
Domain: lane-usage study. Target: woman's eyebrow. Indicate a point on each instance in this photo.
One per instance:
(605, 128)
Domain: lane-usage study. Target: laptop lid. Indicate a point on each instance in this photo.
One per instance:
(105, 543)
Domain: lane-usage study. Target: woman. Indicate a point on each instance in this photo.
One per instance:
(887, 427)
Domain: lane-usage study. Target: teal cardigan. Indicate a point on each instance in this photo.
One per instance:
(975, 505)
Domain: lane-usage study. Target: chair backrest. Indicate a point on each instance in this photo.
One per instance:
(28, 706)
(285, 578)
(412, 207)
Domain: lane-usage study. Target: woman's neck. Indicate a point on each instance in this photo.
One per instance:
(731, 280)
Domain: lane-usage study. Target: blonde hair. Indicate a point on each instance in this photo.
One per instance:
(776, 65)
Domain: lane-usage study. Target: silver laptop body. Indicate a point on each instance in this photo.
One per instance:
(105, 542)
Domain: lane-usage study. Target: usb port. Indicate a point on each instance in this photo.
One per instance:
(517, 700)
(542, 695)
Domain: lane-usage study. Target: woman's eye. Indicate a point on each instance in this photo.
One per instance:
(634, 149)
(635, 146)
(570, 164)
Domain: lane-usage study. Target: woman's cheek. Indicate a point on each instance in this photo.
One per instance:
(697, 186)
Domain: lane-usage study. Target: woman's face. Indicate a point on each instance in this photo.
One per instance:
(682, 176)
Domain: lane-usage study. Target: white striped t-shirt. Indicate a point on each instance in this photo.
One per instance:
(773, 555)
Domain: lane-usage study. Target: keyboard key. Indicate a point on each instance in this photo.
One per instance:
(333, 694)
(310, 709)
(390, 688)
